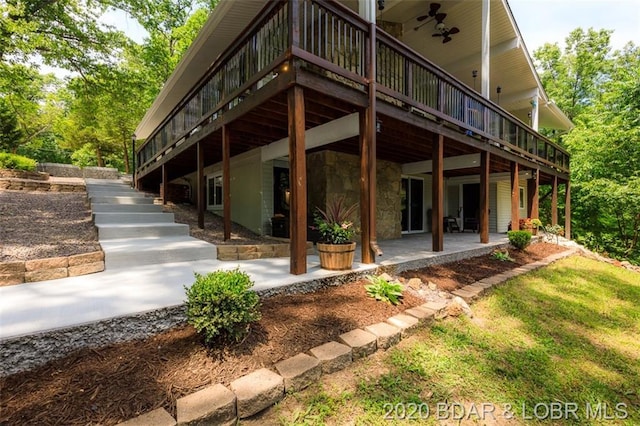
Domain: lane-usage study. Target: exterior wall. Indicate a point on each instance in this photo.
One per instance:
(493, 207)
(332, 174)
(267, 196)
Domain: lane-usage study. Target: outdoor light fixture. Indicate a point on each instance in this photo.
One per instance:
(378, 125)
(380, 4)
(498, 91)
(474, 74)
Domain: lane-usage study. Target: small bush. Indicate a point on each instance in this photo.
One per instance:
(220, 304)
(502, 256)
(16, 162)
(381, 289)
(519, 239)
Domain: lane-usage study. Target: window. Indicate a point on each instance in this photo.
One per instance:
(214, 186)
(522, 197)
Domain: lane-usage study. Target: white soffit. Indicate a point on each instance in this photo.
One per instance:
(225, 24)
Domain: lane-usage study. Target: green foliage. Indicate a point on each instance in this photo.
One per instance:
(383, 290)
(502, 256)
(519, 239)
(16, 162)
(10, 133)
(220, 305)
(334, 224)
(46, 150)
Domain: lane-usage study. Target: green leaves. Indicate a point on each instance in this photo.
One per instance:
(383, 290)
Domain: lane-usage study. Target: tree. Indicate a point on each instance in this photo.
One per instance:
(602, 91)
(10, 134)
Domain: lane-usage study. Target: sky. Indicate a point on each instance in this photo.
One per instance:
(540, 21)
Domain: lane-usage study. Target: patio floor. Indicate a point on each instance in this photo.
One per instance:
(28, 309)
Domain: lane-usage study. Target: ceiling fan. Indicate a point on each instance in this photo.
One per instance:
(433, 13)
(445, 32)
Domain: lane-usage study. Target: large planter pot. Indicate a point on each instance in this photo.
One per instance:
(336, 257)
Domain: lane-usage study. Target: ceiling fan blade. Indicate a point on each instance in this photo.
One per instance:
(440, 17)
(447, 39)
(437, 35)
(423, 17)
(433, 8)
(454, 30)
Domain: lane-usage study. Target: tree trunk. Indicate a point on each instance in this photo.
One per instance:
(99, 157)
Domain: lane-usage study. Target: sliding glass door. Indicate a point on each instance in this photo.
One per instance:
(412, 194)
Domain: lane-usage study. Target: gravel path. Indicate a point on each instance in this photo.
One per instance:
(36, 225)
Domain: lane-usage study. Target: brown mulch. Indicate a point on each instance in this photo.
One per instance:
(36, 225)
(118, 382)
(121, 381)
(458, 274)
(213, 231)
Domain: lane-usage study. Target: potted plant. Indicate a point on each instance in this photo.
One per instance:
(336, 246)
(535, 224)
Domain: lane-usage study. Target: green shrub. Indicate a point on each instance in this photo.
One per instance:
(519, 239)
(220, 305)
(16, 162)
(502, 256)
(381, 289)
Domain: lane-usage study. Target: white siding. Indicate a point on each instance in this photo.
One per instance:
(503, 208)
(267, 196)
(493, 207)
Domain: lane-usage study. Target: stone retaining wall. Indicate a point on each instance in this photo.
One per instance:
(51, 268)
(256, 251)
(23, 174)
(68, 170)
(37, 185)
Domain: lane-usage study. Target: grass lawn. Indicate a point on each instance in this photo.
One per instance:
(560, 344)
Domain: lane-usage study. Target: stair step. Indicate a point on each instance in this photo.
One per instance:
(126, 208)
(126, 218)
(127, 253)
(141, 230)
(121, 200)
(134, 194)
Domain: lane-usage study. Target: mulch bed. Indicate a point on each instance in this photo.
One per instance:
(454, 275)
(115, 383)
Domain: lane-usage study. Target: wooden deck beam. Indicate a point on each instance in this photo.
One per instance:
(298, 181)
(437, 188)
(515, 197)
(485, 158)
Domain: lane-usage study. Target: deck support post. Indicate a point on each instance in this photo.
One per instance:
(554, 201)
(485, 158)
(437, 188)
(165, 183)
(368, 160)
(226, 181)
(298, 181)
(533, 200)
(515, 198)
(200, 184)
(567, 210)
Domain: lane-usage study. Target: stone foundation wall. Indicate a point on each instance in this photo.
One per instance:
(68, 170)
(51, 268)
(257, 251)
(333, 174)
(37, 185)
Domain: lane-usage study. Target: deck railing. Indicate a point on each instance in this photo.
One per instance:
(332, 39)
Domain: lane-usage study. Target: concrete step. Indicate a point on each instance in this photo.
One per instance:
(141, 230)
(126, 208)
(121, 200)
(128, 253)
(112, 191)
(126, 218)
(93, 195)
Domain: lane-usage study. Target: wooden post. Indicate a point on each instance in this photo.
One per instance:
(226, 181)
(365, 190)
(554, 201)
(485, 157)
(165, 183)
(533, 201)
(515, 198)
(567, 210)
(437, 188)
(298, 181)
(200, 185)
